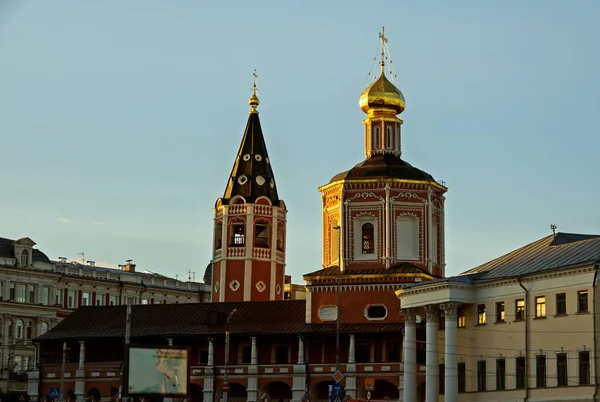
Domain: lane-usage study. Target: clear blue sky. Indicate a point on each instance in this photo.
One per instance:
(120, 120)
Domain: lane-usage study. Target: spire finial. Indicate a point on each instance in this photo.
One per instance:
(254, 98)
(383, 42)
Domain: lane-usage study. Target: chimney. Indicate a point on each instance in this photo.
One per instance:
(91, 263)
(129, 266)
(62, 259)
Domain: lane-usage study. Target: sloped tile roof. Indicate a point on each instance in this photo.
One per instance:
(548, 253)
(276, 317)
(402, 268)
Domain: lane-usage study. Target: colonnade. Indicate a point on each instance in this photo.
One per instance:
(432, 315)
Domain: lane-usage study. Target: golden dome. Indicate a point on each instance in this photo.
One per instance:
(382, 95)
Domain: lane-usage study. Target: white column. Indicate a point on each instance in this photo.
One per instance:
(409, 355)
(450, 352)
(254, 352)
(81, 354)
(351, 351)
(431, 354)
(211, 353)
(300, 350)
(252, 389)
(299, 377)
(209, 379)
(351, 387)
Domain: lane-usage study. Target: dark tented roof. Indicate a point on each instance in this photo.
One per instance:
(252, 176)
(385, 166)
(548, 253)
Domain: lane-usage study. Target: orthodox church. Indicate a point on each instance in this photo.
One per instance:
(383, 228)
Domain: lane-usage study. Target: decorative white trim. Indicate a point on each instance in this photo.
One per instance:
(260, 286)
(234, 285)
(358, 222)
(366, 312)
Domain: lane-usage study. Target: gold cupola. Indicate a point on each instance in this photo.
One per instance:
(382, 95)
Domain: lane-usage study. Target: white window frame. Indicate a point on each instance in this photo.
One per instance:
(358, 223)
(366, 311)
(328, 306)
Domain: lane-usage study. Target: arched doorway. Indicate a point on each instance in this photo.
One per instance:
(93, 395)
(237, 392)
(385, 390)
(196, 393)
(277, 390)
(320, 392)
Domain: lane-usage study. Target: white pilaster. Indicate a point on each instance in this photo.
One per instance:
(388, 238)
(429, 231)
(300, 350)
(249, 239)
(409, 355)
(431, 355)
(450, 352)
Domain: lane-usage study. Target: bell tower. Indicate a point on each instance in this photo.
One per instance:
(382, 220)
(249, 224)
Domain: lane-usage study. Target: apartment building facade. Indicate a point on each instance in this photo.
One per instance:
(36, 293)
(521, 327)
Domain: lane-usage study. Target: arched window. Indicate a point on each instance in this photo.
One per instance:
(238, 234)
(25, 258)
(18, 329)
(218, 235)
(388, 138)
(376, 137)
(368, 239)
(261, 234)
(43, 328)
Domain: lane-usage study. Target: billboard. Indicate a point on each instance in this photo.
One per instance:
(158, 371)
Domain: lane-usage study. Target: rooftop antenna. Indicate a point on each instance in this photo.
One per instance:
(82, 254)
(553, 228)
(189, 275)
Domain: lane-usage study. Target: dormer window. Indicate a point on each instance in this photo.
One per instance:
(261, 235)
(238, 235)
(25, 258)
(368, 246)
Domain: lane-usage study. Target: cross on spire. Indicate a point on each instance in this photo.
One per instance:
(254, 98)
(383, 42)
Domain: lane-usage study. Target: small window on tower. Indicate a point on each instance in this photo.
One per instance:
(388, 138)
(261, 235)
(280, 237)
(238, 235)
(368, 246)
(376, 137)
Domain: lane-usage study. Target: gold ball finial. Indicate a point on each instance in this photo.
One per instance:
(254, 102)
